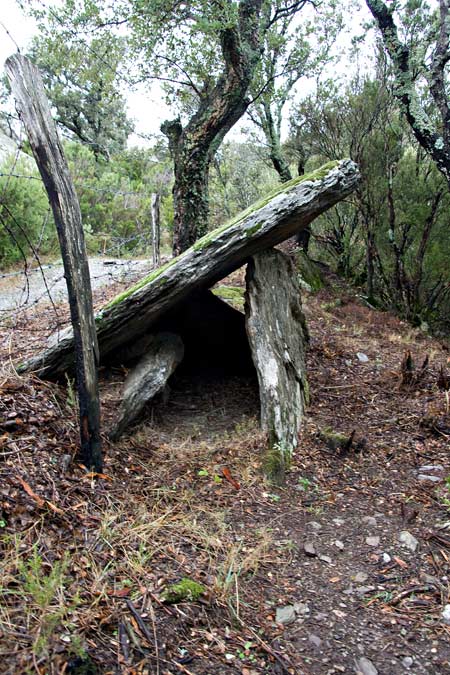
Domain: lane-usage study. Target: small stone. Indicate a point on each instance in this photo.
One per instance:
(361, 577)
(408, 540)
(338, 521)
(285, 615)
(310, 549)
(386, 558)
(431, 467)
(66, 461)
(339, 545)
(348, 363)
(314, 525)
(423, 477)
(365, 667)
(407, 661)
(326, 559)
(370, 521)
(301, 608)
(446, 615)
(321, 616)
(363, 590)
(373, 541)
(362, 358)
(315, 640)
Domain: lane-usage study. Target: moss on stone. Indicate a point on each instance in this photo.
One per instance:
(186, 590)
(309, 271)
(232, 294)
(208, 238)
(143, 282)
(334, 439)
(319, 174)
(275, 463)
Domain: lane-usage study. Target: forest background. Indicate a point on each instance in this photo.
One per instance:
(323, 89)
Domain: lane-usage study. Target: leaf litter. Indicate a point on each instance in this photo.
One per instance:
(86, 558)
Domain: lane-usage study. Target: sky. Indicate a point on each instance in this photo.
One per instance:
(147, 109)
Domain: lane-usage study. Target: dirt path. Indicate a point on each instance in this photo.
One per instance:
(317, 578)
(46, 284)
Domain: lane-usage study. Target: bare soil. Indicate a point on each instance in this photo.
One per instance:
(85, 558)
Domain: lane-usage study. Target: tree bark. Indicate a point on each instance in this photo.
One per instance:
(435, 144)
(34, 110)
(194, 146)
(129, 316)
(277, 334)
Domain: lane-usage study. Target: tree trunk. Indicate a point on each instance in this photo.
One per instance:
(279, 216)
(34, 110)
(277, 334)
(435, 144)
(220, 108)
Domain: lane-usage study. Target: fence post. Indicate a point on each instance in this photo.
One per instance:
(156, 228)
(34, 111)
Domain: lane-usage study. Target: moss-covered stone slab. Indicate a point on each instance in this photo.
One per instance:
(269, 222)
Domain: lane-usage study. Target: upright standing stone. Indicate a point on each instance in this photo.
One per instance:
(277, 334)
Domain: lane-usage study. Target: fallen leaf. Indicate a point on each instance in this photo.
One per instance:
(30, 492)
(401, 562)
(227, 475)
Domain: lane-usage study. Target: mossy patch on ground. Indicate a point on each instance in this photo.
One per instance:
(186, 590)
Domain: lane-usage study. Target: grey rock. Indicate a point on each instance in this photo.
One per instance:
(339, 545)
(362, 358)
(338, 521)
(326, 559)
(408, 540)
(301, 608)
(315, 640)
(370, 521)
(273, 300)
(148, 378)
(348, 363)
(365, 667)
(314, 525)
(446, 615)
(285, 615)
(431, 467)
(363, 590)
(407, 661)
(310, 549)
(431, 479)
(361, 577)
(66, 461)
(386, 558)
(373, 541)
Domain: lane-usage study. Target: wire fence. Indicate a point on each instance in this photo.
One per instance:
(37, 282)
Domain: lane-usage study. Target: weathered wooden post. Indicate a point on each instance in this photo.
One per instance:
(156, 229)
(34, 111)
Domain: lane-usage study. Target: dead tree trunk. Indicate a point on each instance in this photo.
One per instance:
(278, 337)
(34, 110)
(156, 229)
(279, 216)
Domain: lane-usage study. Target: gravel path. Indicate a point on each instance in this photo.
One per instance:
(15, 292)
